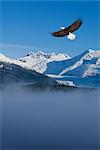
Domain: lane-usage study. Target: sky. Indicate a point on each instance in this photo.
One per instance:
(26, 25)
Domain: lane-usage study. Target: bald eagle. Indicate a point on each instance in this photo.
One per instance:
(69, 30)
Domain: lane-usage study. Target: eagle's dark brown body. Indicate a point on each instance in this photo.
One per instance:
(71, 29)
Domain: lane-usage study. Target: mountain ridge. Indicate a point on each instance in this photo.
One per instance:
(58, 68)
(63, 67)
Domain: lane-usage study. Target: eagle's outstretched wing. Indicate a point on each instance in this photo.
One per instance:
(71, 29)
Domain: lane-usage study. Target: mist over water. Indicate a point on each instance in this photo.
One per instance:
(49, 119)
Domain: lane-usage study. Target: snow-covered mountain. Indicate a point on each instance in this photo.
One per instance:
(35, 61)
(60, 68)
(12, 73)
(6, 59)
(85, 64)
(38, 61)
(28, 69)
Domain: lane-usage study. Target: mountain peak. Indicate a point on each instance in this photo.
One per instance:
(89, 51)
(84, 65)
(37, 54)
(89, 54)
(4, 58)
(41, 54)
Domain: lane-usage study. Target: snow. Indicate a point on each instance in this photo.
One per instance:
(85, 64)
(6, 59)
(38, 61)
(98, 61)
(1, 66)
(92, 70)
(54, 76)
(60, 67)
(35, 61)
(76, 65)
(66, 83)
(88, 56)
(12, 73)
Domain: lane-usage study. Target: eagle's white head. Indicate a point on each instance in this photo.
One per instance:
(62, 28)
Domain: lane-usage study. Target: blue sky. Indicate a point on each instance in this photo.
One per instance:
(25, 26)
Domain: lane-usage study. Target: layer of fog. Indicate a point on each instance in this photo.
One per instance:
(49, 119)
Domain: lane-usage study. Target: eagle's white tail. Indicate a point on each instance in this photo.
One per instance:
(71, 36)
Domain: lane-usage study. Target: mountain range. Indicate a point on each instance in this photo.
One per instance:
(51, 68)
